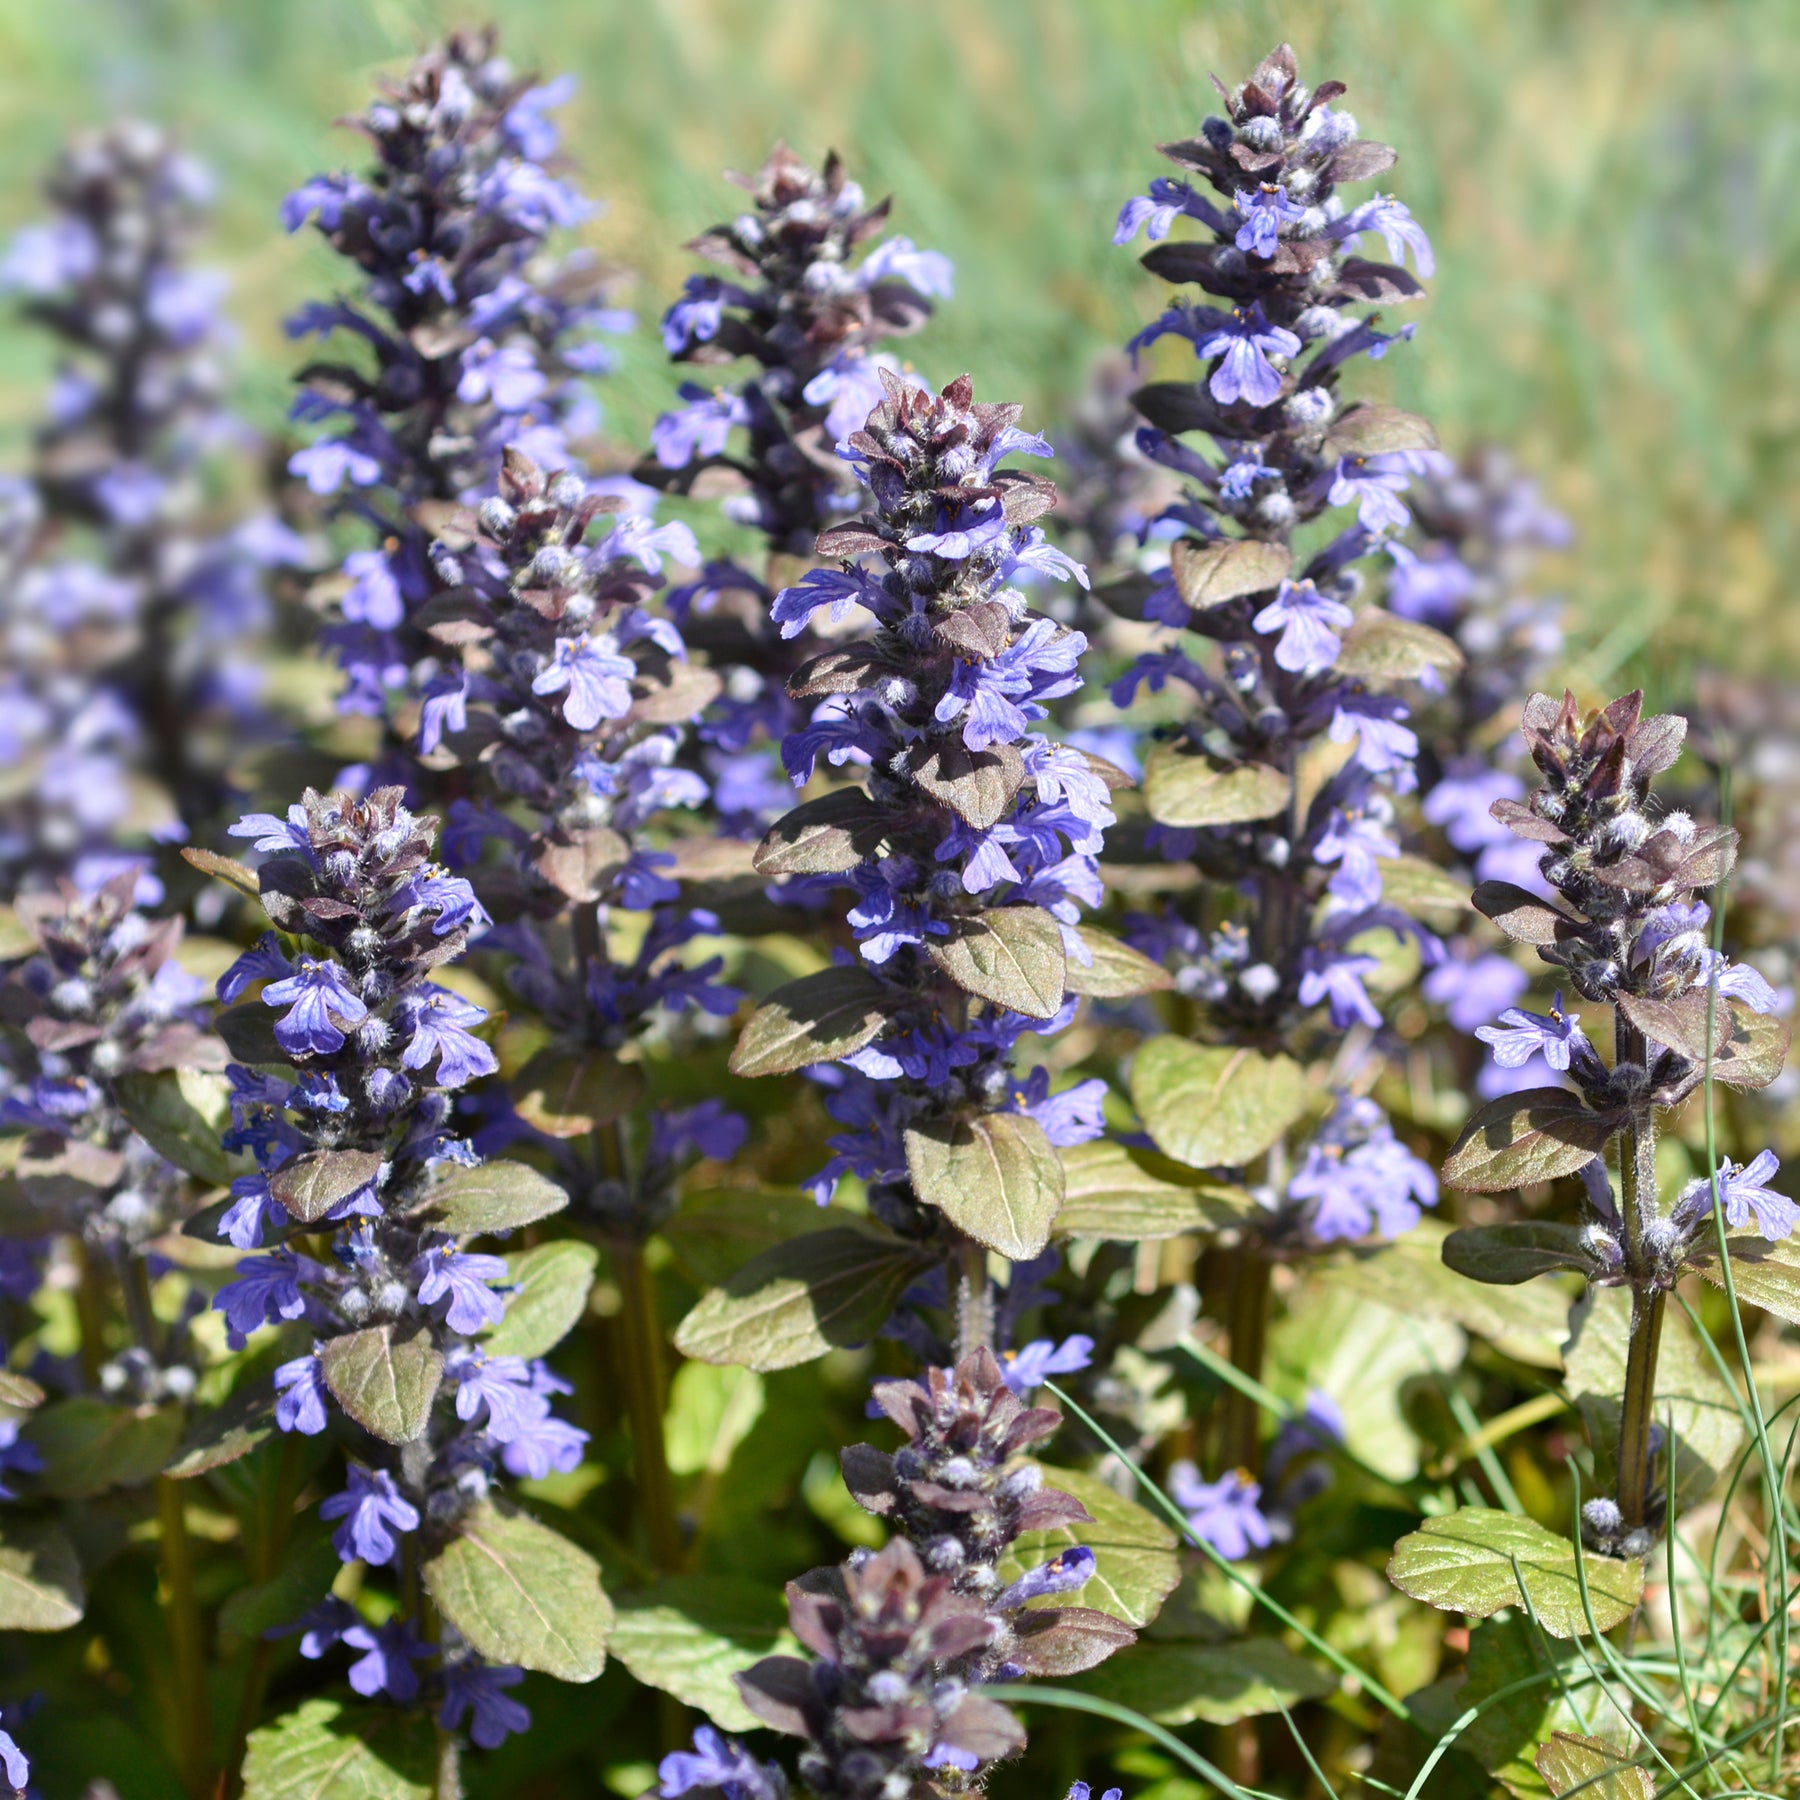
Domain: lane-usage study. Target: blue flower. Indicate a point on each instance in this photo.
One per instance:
(267, 1288)
(1154, 212)
(375, 1514)
(1746, 1196)
(1521, 1035)
(695, 318)
(1223, 1513)
(506, 374)
(1040, 664)
(498, 1385)
(303, 1391)
(700, 428)
(1335, 979)
(541, 1445)
(1062, 1574)
(1383, 745)
(1356, 843)
(927, 272)
(13, 1760)
(1245, 342)
(321, 998)
(1032, 1364)
(1372, 482)
(1473, 991)
(463, 1276)
(275, 834)
(328, 464)
(722, 1763)
(15, 1454)
(387, 1665)
(266, 962)
(373, 597)
(1398, 229)
(253, 1211)
(597, 678)
(840, 589)
(472, 1686)
(1309, 623)
(1264, 210)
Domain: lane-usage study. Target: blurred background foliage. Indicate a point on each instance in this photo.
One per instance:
(1608, 188)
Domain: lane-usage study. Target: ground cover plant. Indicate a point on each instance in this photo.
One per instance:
(805, 1107)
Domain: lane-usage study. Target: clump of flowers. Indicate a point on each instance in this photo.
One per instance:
(903, 1639)
(96, 1008)
(353, 1058)
(473, 339)
(812, 292)
(131, 611)
(1627, 929)
(970, 852)
(568, 697)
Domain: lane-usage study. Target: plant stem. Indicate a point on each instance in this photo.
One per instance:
(1241, 1439)
(974, 1300)
(1637, 1208)
(264, 1558)
(646, 1402)
(182, 1609)
(447, 1781)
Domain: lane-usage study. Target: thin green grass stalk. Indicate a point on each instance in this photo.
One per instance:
(1772, 1476)
(1067, 1698)
(1287, 1718)
(1335, 1657)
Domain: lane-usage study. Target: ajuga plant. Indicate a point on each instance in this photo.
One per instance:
(1279, 784)
(131, 609)
(812, 292)
(563, 699)
(969, 853)
(396, 1335)
(99, 1018)
(901, 1637)
(1626, 928)
(471, 338)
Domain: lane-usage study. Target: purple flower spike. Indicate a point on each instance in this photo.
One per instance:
(597, 680)
(719, 1762)
(463, 1276)
(1246, 341)
(1223, 1513)
(322, 1001)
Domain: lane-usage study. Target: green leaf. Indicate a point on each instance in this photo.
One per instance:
(1011, 957)
(572, 1094)
(690, 1634)
(1175, 1684)
(1117, 971)
(1376, 431)
(1382, 647)
(1211, 1106)
(1690, 1397)
(713, 1234)
(815, 1019)
(40, 1580)
(1135, 1561)
(1423, 890)
(1130, 1196)
(795, 1302)
(979, 786)
(1364, 1355)
(224, 868)
(311, 1185)
(1756, 1051)
(996, 1177)
(826, 836)
(1570, 1761)
(497, 1196)
(306, 1574)
(19, 1391)
(1523, 916)
(386, 1378)
(226, 1433)
(328, 1750)
(1504, 1737)
(1415, 1276)
(90, 1445)
(1207, 574)
(712, 1409)
(1465, 1563)
(248, 1032)
(522, 1593)
(1508, 1254)
(16, 938)
(551, 1285)
(181, 1114)
(1764, 1274)
(1185, 787)
(1532, 1136)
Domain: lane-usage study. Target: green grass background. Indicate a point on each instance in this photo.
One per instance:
(1609, 188)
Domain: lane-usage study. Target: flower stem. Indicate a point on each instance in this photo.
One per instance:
(1637, 1208)
(645, 1399)
(1241, 1437)
(974, 1300)
(181, 1608)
